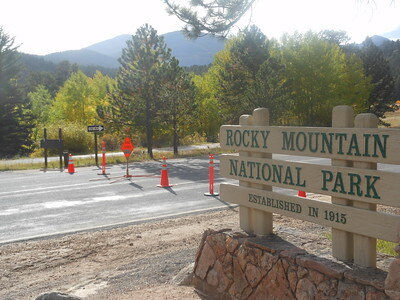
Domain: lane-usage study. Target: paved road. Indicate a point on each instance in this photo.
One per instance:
(34, 203)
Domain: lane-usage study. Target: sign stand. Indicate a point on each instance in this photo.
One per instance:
(95, 150)
(95, 129)
(45, 149)
(127, 148)
(52, 144)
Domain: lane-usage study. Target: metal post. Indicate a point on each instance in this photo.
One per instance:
(45, 149)
(127, 168)
(95, 149)
(61, 148)
(103, 161)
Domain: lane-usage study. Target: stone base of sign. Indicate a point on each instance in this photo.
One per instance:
(235, 265)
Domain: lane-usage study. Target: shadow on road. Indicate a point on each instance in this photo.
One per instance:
(194, 169)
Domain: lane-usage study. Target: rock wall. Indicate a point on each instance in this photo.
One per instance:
(234, 265)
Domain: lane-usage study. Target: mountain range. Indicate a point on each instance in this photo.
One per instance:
(394, 35)
(200, 51)
(106, 53)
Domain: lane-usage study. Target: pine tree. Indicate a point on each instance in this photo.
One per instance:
(381, 99)
(391, 51)
(177, 101)
(248, 77)
(218, 18)
(14, 128)
(139, 81)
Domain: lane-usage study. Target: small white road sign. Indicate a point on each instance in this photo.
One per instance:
(95, 128)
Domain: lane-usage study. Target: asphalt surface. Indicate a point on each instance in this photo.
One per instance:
(36, 204)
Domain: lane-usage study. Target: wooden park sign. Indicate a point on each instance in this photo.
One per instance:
(372, 145)
(352, 181)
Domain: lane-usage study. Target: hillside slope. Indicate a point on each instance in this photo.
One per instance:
(106, 53)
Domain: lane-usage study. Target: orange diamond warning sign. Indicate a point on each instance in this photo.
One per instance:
(127, 147)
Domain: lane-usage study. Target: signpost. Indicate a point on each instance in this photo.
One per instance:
(127, 148)
(52, 144)
(352, 180)
(95, 129)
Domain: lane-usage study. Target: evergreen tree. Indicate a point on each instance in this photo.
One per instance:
(391, 51)
(14, 128)
(213, 16)
(139, 81)
(218, 15)
(381, 99)
(177, 101)
(63, 71)
(247, 76)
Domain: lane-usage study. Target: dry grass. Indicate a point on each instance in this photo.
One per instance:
(393, 118)
(138, 155)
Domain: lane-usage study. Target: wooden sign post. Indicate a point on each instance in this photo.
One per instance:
(342, 241)
(52, 144)
(352, 180)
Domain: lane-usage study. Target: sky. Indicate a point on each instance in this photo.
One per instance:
(47, 26)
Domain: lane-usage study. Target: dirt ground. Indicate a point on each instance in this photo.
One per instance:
(393, 118)
(133, 262)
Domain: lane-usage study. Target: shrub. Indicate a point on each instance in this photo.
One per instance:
(75, 136)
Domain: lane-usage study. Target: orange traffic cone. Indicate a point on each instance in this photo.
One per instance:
(71, 167)
(164, 174)
(302, 194)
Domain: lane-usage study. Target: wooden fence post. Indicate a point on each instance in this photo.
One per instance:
(245, 213)
(365, 247)
(342, 241)
(262, 221)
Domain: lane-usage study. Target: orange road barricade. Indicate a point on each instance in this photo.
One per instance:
(164, 174)
(103, 159)
(211, 177)
(71, 166)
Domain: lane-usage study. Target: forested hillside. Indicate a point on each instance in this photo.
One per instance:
(391, 52)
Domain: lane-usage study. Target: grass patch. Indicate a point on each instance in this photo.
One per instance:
(393, 118)
(382, 246)
(386, 247)
(138, 155)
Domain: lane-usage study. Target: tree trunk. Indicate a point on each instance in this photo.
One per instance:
(176, 137)
(149, 130)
